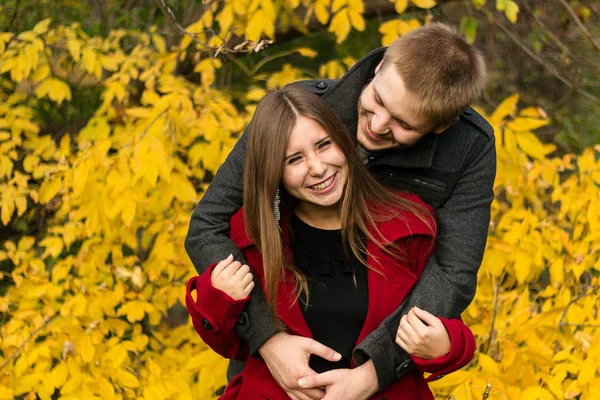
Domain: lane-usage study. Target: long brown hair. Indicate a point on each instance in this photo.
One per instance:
(364, 201)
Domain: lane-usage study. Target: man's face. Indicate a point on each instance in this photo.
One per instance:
(386, 116)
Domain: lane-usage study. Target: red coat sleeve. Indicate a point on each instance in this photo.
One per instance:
(214, 315)
(462, 350)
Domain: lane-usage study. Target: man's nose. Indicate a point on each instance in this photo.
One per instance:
(380, 122)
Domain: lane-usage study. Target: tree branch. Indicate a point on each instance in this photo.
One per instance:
(551, 68)
(580, 24)
(14, 355)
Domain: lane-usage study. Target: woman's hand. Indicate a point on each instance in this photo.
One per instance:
(233, 278)
(349, 384)
(423, 335)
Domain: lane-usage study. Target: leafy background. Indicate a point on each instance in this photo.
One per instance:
(115, 115)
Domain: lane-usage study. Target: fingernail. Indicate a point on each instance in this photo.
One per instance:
(302, 382)
(337, 356)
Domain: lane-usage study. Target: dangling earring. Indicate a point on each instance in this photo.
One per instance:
(276, 208)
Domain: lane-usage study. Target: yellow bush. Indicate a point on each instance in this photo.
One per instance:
(84, 314)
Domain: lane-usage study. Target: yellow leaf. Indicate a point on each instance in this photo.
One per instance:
(356, 20)
(183, 189)
(488, 364)
(512, 10)
(257, 25)
(424, 3)
(522, 266)
(6, 167)
(340, 25)
(159, 43)
(87, 349)
(307, 52)
(42, 26)
(49, 189)
(8, 206)
(80, 176)
(357, 5)
(337, 5)
(506, 108)
(74, 47)
(322, 12)
(53, 245)
(531, 145)
(526, 124)
(400, 6)
(225, 19)
(127, 379)
(128, 211)
(557, 271)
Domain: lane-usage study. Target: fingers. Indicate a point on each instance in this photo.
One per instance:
(317, 381)
(309, 394)
(323, 351)
(403, 341)
(408, 330)
(427, 317)
(242, 271)
(222, 265)
(248, 289)
(416, 324)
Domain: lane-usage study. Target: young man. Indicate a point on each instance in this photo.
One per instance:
(409, 112)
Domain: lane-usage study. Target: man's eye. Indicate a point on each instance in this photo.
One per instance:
(377, 100)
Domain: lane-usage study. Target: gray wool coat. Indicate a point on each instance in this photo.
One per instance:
(453, 172)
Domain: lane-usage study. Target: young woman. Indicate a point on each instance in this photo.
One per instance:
(334, 252)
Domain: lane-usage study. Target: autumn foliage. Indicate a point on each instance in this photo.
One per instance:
(95, 215)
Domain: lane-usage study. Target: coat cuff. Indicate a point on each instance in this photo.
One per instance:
(213, 310)
(390, 361)
(462, 349)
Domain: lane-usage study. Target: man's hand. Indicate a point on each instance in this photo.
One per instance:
(423, 335)
(287, 357)
(345, 384)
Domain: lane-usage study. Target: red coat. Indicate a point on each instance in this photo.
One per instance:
(214, 314)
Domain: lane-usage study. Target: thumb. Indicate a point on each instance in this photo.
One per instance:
(426, 317)
(323, 351)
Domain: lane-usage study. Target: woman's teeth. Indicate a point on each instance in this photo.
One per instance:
(323, 185)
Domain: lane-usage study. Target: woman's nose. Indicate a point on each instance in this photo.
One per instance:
(317, 166)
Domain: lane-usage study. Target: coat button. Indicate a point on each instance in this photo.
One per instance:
(242, 320)
(468, 111)
(321, 85)
(206, 325)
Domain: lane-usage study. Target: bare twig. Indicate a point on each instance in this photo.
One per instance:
(560, 44)
(573, 301)
(496, 291)
(580, 24)
(33, 335)
(551, 68)
(14, 16)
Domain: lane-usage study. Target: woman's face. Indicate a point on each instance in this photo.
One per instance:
(315, 170)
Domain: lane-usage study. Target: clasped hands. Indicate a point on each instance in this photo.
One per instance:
(287, 357)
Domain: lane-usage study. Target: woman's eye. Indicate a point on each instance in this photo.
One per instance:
(293, 160)
(324, 144)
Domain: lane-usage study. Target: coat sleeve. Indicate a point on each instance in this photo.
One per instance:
(462, 350)
(418, 249)
(214, 316)
(448, 282)
(208, 241)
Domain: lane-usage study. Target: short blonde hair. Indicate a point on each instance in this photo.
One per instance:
(442, 72)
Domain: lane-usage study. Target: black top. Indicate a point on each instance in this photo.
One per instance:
(338, 293)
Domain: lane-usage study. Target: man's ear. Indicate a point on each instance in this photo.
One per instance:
(378, 67)
(445, 126)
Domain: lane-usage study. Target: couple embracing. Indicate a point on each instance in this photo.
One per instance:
(340, 240)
